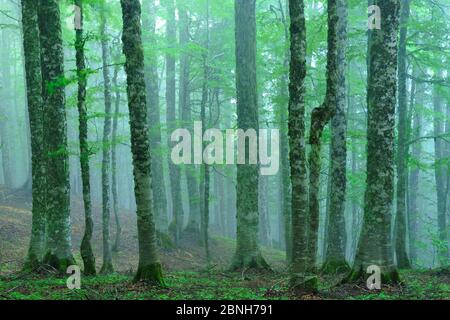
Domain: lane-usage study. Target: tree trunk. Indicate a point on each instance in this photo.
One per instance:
(414, 175)
(107, 266)
(440, 176)
(284, 152)
(402, 150)
(149, 266)
(6, 107)
(248, 254)
(174, 170)
(375, 244)
(297, 145)
(205, 171)
(319, 118)
(35, 109)
(115, 196)
(336, 232)
(151, 78)
(193, 226)
(86, 248)
(58, 246)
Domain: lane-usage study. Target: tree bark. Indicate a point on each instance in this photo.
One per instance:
(151, 78)
(297, 143)
(86, 248)
(174, 171)
(193, 226)
(402, 148)
(33, 75)
(414, 175)
(107, 266)
(440, 177)
(375, 244)
(335, 247)
(149, 265)
(115, 196)
(58, 246)
(248, 254)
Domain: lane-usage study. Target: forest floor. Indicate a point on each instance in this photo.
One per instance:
(185, 273)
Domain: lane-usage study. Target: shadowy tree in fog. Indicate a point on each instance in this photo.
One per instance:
(248, 254)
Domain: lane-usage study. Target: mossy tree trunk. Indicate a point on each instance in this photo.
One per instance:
(375, 243)
(33, 77)
(149, 265)
(297, 143)
(319, 119)
(248, 254)
(335, 246)
(86, 248)
(58, 244)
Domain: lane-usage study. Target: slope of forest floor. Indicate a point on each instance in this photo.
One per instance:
(186, 275)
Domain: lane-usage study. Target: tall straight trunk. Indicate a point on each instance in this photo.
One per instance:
(319, 118)
(375, 244)
(33, 77)
(284, 145)
(297, 143)
(414, 175)
(205, 171)
(107, 266)
(248, 254)
(58, 246)
(402, 150)
(440, 177)
(193, 226)
(174, 171)
(86, 248)
(151, 78)
(115, 196)
(149, 266)
(336, 232)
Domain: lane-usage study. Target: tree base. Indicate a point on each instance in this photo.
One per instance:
(302, 285)
(88, 258)
(107, 268)
(151, 274)
(254, 262)
(32, 263)
(59, 264)
(331, 267)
